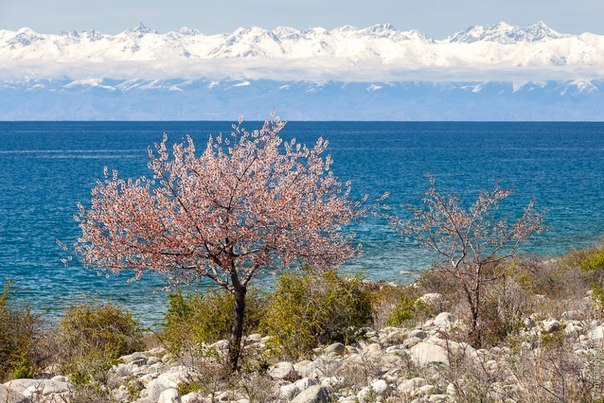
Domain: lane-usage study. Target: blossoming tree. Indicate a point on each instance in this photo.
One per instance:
(250, 202)
(469, 244)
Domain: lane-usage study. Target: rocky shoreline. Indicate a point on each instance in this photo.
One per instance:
(423, 363)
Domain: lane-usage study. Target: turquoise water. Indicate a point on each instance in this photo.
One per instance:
(46, 167)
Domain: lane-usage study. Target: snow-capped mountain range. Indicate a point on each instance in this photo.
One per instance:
(380, 52)
(498, 72)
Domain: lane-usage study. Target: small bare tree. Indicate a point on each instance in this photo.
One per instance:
(469, 241)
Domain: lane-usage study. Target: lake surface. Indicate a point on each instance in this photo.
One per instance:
(47, 167)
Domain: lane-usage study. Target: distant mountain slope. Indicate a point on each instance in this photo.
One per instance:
(380, 52)
(206, 99)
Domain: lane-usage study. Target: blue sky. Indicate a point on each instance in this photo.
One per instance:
(436, 18)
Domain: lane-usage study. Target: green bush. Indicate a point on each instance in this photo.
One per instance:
(92, 337)
(195, 319)
(591, 261)
(408, 310)
(594, 262)
(20, 334)
(313, 307)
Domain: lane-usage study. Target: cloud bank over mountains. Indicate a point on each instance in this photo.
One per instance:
(498, 72)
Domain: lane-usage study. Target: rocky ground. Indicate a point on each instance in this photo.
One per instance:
(420, 364)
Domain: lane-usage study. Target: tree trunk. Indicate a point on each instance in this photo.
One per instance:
(475, 333)
(237, 330)
(476, 311)
(473, 298)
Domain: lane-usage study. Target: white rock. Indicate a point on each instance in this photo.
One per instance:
(33, 392)
(254, 338)
(597, 333)
(395, 337)
(169, 396)
(10, 396)
(331, 381)
(156, 351)
(373, 349)
(307, 368)
(389, 361)
(288, 391)
(425, 390)
(408, 387)
(304, 383)
(20, 385)
(174, 377)
(120, 394)
(433, 299)
(377, 388)
(315, 394)
(417, 333)
(221, 345)
(439, 398)
(54, 387)
(400, 350)
(283, 370)
(193, 397)
(572, 330)
(147, 378)
(337, 348)
(135, 358)
(444, 320)
(410, 342)
(425, 353)
(155, 388)
(573, 314)
(551, 325)
(153, 360)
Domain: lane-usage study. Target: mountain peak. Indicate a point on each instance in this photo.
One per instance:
(141, 29)
(540, 31)
(505, 33)
(24, 37)
(380, 29)
(188, 31)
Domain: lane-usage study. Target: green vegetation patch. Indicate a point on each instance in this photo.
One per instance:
(313, 307)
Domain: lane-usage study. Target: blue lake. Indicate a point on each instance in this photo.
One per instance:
(47, 167)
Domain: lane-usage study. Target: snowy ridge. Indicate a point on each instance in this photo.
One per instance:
(376, 53)
(504, 33)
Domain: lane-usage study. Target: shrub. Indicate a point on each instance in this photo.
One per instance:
(195, 319)
(92, 337)
(313, 307)
(592, 261)
(408, 310)
(20, 333)
(385, 299)
(506, 303)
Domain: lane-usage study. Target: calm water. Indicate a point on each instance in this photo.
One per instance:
(45, 168)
